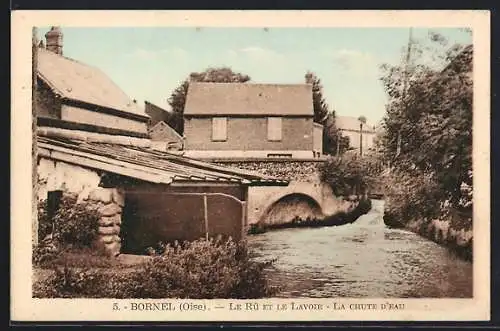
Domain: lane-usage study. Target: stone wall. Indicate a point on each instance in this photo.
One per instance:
(304, 171)
(84, 183)
(452, 231)
(91, 117)
(109, 202)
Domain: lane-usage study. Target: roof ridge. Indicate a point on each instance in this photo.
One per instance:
(68, 58)
(93, 72)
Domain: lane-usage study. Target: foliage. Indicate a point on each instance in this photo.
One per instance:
(199, 270)
(177, 99)
(319, 103)
(45, 225)
(74, 225)
(349, 174)
(428, 125)
(324, 116)
(411, 196)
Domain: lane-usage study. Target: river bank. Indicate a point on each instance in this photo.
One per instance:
(451, 230)
(340, 218)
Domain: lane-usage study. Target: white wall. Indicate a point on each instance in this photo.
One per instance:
(84, 116)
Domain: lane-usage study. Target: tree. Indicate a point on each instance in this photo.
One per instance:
(177, 102)
(333, 142)
(319, 103)
(428, 124)
(177, 99)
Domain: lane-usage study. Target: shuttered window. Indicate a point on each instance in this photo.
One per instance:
(219, 129)
(274, 128)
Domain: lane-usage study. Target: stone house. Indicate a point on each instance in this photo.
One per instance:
(92, 143)
(166, 137)
(243, 120)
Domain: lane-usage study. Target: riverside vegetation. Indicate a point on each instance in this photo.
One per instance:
(427, 142)
(68, 264)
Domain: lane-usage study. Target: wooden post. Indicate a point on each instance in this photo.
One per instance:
(205, 210)
(34, 152)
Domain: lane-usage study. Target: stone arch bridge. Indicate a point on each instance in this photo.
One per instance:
(305, 196)
(276, 205)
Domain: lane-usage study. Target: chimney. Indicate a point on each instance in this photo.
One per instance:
(55, 40)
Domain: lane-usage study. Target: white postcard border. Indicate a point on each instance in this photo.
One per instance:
(24, 308)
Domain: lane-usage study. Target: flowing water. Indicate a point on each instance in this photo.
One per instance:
(362, 259)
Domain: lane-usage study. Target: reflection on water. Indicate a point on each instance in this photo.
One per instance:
(362, 259)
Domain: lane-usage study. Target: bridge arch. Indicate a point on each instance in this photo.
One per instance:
(291, 206)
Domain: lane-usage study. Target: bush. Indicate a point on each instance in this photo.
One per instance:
(74, 224)
(45, 225)
(347, 175)
(198, 270)
(411, 196)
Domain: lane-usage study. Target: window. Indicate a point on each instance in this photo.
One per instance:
(219, 129)
(274, 128)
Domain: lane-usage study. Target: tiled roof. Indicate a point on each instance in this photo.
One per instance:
(156, 113)
(249, 99)
(351, 123)
(145, 164)
(161, 124)
(74, 80)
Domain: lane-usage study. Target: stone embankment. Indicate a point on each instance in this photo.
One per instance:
(452, 230)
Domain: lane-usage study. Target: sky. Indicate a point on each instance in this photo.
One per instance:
(149, 63)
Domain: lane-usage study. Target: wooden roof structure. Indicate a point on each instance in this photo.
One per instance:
(143, 163)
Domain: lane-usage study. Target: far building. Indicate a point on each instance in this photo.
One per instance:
(246, 120)
(160, 131)
(351, 127)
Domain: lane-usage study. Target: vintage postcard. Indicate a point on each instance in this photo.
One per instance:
(250, 166)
